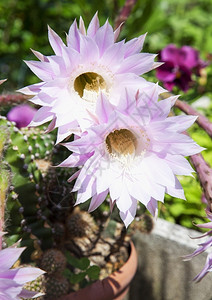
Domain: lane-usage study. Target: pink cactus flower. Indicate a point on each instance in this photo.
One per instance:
(90, 63)
(133, 152)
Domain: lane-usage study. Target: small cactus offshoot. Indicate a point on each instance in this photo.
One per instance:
(53, 261)
(80, 224)
(55, 287)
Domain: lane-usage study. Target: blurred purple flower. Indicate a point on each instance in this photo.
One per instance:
(22, 115)
(179, 65)
(203, 247)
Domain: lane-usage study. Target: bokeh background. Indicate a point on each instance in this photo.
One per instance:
(23, 25)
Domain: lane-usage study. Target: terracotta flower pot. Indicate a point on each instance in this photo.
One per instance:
(114, 287)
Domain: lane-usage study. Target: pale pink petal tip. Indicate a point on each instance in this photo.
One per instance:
(26, 294)
(2, 80)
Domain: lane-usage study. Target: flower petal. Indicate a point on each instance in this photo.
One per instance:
(73, 38)
(29, 294)
(103, 108)
(152, 207)
(128, 216)
(134, 46)
(55, 41)
(41, 69)
(9, 289)
(22, 275)
(8, 257)
(93, 26)
(138, 63)
(97, 200)
(82, 26)
(104, 37)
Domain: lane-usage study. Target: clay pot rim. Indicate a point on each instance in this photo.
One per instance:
(112, 286)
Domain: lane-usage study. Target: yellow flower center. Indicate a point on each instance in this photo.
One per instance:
(121, 142)
(88, 85)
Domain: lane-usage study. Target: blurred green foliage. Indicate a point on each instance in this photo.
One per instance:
(23, 25)
(182, 22)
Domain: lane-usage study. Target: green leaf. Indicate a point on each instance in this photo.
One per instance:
(93, 272)
(67, 273)
(76, 278)
(82, 263)
(84, 283)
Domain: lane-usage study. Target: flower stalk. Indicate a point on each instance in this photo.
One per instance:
(204, 173)
(13, 98)
(125, 12)
(202, 121)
